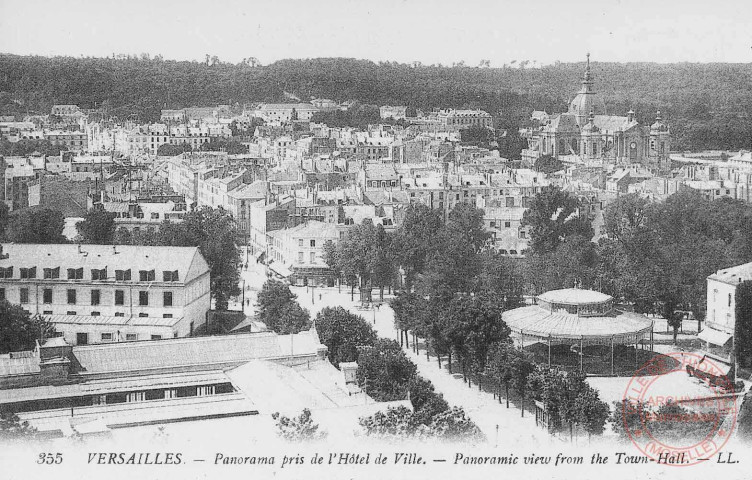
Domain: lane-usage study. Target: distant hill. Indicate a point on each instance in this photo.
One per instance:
(707, 105)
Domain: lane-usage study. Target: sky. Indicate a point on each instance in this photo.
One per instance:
(428, 31)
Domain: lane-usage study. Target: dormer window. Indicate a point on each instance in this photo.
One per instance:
(123, 275)
(51, 273)
(170, 276)
(28, 272)
(76, 273)
(146, 275)
(99, 273)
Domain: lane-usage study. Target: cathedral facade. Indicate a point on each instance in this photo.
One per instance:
(586, 133)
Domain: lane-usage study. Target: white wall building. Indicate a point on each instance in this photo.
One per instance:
(98, 293)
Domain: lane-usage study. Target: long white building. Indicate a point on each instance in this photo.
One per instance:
(106, 293)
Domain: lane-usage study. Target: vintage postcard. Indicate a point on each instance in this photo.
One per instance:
(421, 239)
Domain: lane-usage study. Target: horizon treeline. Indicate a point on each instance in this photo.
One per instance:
(706, 105)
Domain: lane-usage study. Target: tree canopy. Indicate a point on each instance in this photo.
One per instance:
(552, 216)
(278, 309)
(214, 232)
(34, 225)
(97, 227)
(19, 330)
(343, 332)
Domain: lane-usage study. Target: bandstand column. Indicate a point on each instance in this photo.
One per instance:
(612, 354)
(549, 351)
(635, 353)
(651, 339)
(582, 354)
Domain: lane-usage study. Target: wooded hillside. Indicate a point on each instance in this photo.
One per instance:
(707, 105)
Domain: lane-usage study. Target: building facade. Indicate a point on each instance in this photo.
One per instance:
(98, 293)
(587, 131)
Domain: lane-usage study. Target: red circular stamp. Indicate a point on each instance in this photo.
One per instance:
(680, 408)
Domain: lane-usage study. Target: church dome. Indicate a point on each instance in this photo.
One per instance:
(658, 126)
(586, 100)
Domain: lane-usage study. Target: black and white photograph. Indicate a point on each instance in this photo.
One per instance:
(352, 240)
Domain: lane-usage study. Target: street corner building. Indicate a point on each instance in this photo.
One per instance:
(109, 293)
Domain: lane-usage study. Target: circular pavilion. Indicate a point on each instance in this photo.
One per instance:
(580, 319)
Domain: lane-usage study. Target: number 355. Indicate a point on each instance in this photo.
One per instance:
(50, 458)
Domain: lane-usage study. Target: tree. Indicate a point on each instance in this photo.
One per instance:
(364, 253)
(342, 332)
(592, 413)
(36, 226)
(383, 264)
(273, 297)
(627, 416)
(455, 426)
(574, 263)
(298, 429)
(395, 424)
(501, 365)
(384, 371)
(399, 424)
(475, 324)
(426, 402)
(454, 265)
(13, 428)
(552, 216)
(4, 218)
(408, 308)
(214, 232)
(502, 277)
(293, 319)
(170, 150)
(97, 227)
(415, 239)
(522, 368)
(743, 325)
(626, 217)
(548, 164)
(19, 331)
(477, 135)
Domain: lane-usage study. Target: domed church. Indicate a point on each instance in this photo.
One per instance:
(586, 133)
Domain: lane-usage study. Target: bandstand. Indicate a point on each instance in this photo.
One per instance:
(578, 318)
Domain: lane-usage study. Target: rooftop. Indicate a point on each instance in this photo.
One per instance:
(121, 257)
(191, 353)
(733, 275)
(574, 296)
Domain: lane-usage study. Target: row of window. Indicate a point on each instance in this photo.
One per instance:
(125, 397)
(96, 297)
(98, 314)
(96, 274)
(301, 257)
